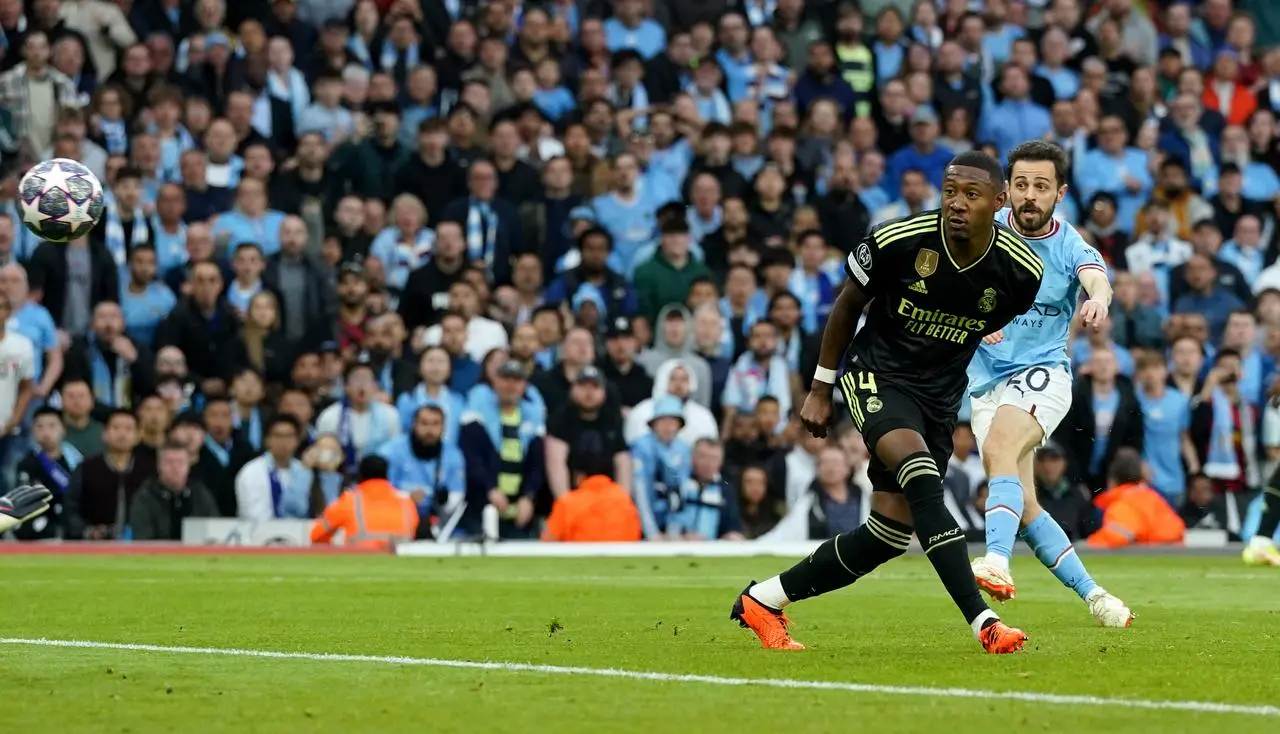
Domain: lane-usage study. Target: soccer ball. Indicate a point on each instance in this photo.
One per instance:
(61, 200)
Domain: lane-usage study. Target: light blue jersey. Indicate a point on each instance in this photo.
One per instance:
(1038, 338)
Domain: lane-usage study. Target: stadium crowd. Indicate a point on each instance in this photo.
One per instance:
(573, 249)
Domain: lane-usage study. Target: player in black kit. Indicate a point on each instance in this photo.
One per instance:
(937, 283)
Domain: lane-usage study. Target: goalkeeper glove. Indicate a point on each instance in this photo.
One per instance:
(22, 504)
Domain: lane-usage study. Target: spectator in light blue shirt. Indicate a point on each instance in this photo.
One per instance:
(923, 155)
(144, 300)
(326, 114)
(251, 220)
(629, 28)
(552, 97)
(1015, 119)
(889, 48)
(1055, 51)
(1117, 169)
(734, 56)
(1245, 250)
(1206, 297)
(33, 321)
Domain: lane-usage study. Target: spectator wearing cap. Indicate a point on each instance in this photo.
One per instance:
(360, 423)
(422, 464)
(490, 225)
(586, 435)
(1067, 503)
(619, 364)
(668, 276)
(1116, 168)
(353, 308)
(594, 248)
(373, 514)
(677, 379)
(662, 464)
(924, 154)
(1016, 118)
(502, 443)
(50, 462)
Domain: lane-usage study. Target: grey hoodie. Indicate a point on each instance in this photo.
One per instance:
(651, 359)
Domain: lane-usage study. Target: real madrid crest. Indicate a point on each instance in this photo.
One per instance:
(874, 405)
(926, 263)
(987, 303)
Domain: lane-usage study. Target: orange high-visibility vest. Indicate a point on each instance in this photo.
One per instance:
(372, 515)
(598, 511)
(1135, 513)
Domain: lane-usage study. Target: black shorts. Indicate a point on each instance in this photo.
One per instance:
(878, 409)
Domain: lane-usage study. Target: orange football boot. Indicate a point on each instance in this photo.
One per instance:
(999, 638)
(770, 625)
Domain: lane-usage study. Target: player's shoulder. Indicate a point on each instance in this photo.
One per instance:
(908, 229)
(1015, 251)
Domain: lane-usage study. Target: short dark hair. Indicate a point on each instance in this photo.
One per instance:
(596, 230)
(285, 419)
(372, 467)
(132, 172)
(173, 446)
(1040, 150)
(119, 413)
(1126, 467)
(983, 162)
(141, 247)
(46, 410)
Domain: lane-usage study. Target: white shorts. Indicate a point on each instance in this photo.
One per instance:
(1044, 392)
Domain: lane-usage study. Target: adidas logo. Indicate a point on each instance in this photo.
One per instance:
(918, 287)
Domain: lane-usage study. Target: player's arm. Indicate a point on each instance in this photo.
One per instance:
(841, 323)
(1090, 269)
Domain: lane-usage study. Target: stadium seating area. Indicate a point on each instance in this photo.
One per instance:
(523, 248)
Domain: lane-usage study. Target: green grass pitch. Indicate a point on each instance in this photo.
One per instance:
(1208, 630)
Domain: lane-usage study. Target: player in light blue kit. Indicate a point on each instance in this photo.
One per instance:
(1020, 383)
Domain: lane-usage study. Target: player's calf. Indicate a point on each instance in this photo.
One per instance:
(1014, 433)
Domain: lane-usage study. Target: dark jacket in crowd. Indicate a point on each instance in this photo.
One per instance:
(321, 299)
(1078, 432)
(508, 241)
(31, 470)
(48, 273)
(79, 366)
(426, 295)
(99, 495)
(157, 512)
(220, 478)
(208, 343)
(435, 186)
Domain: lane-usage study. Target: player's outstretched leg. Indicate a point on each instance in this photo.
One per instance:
(836, 564)
(1261, 550)
(1012, 435)
(943, 540)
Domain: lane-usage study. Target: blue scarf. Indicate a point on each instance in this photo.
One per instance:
(54, 471)
(347, 437)
(482, 232)
(220, 452)
(389, 55)
(759, 13)
(359, 49)
(277, 489)
(254, 432)
(117, 392)
(114, 237)
(171, 150)
(292, 90)
(1221, 461)
(115, 136)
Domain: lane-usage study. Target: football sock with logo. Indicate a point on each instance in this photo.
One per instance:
(1055, 551)
(1004, 512)
(1270, 509)
(941, 536)
(837, 562)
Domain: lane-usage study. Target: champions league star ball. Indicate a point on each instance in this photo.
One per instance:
(61, 200)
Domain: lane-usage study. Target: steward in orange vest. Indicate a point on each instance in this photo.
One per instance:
(373, 514)
(598, 511)
(1133, 512)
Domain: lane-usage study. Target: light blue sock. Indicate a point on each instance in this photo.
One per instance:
(1053, 549)
(1004, 512)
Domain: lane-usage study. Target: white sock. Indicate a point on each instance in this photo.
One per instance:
(997, 560)
(770, 593)
(981, 619)
(1260, 542)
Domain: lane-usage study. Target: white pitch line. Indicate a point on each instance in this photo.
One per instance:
(915, 691)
